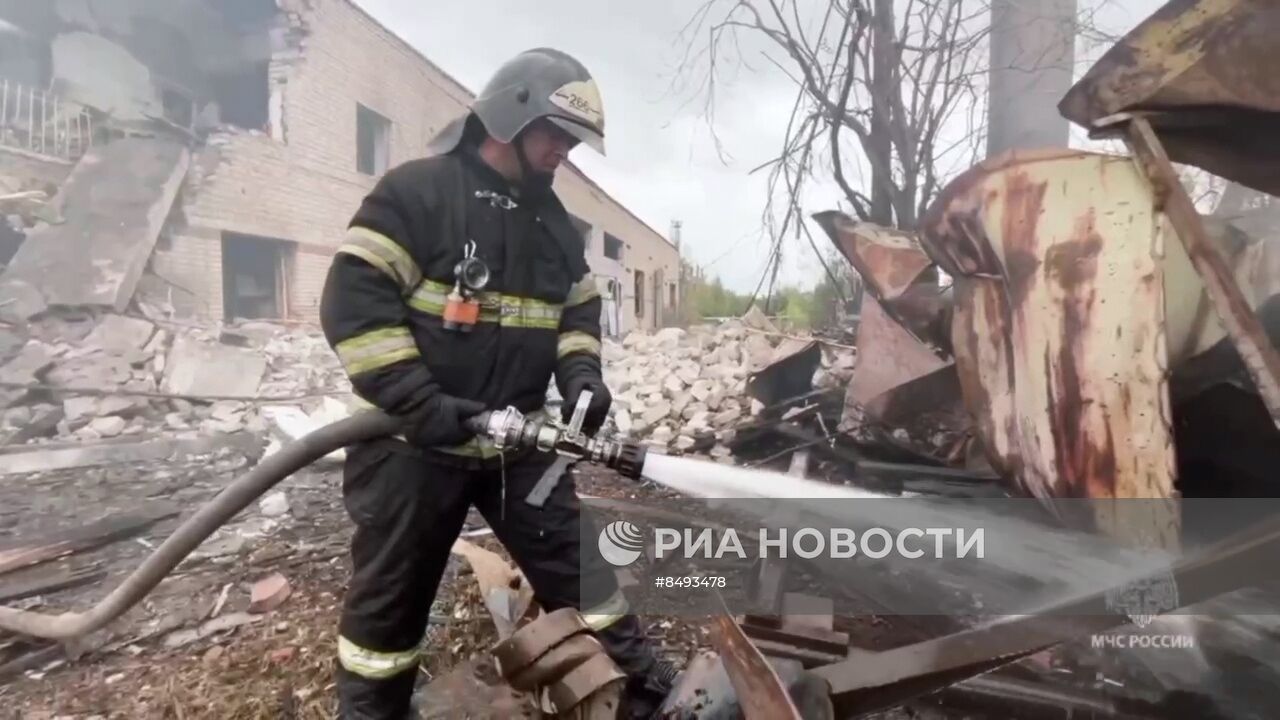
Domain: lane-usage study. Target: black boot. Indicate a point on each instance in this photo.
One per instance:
(645, 693)
(362, 698)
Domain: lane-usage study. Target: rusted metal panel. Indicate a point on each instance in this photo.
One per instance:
(888, 260)
(1233, 309)
(897, 272)
(758, 687)
(1207, 74)
(888, 355)
(1059, 326)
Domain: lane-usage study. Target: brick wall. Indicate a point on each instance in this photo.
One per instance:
(191, 268)
(305, 189)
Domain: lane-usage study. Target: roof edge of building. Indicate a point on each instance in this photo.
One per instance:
(470, 94)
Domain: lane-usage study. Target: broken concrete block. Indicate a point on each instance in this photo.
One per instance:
(174, 420)
(669, 337)
(123, 406)
(34, 358)
(701, 390)
(688, 373)
(692, 410)
(96, 371)
(720, 451)
(673, 385)
(269, 593)
(19, 301)
(108, 426)
(17, 417)
(726, 417)
(197, 368)
(656, 412)
(715, 399)
(662, 435)
(274, 505)
(114, 202)
(291, 423)
(75, 409)
(88, 433)
(684, 442)
(681, 402)
(623, 421)
(120, 334)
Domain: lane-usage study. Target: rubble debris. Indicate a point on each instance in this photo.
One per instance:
(789, 373)
(209, 628)
(687, 390)
(110, 453)
(120, 334)
(62, 579)
(87, 537)
(274, 504)
(193, 367)
(269, 593)
(292, 422)
(115, 202)
(92, 70)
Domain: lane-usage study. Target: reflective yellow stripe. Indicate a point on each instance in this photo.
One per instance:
(582, 291)
(373, 664)
(606, 613)
(507, 310)
(530, 313)
(383, 253)
(572, 342)
(376, 349)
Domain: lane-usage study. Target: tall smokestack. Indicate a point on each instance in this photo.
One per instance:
(1032, 63)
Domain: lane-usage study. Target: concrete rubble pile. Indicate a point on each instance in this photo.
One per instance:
(687, 390)
(193, 381)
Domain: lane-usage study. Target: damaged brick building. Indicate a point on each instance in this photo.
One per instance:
(237, 137)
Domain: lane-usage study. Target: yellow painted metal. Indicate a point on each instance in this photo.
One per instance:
(1060, 329)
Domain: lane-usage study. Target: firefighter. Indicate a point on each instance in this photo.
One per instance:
(462, 286)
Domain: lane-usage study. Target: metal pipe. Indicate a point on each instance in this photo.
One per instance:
(234, 498)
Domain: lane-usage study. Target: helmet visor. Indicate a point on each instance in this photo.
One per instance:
(581, 132)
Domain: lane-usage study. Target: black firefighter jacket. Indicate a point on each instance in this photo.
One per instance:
(386, 289)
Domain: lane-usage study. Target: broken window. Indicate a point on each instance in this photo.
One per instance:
(373, 141)
(639, 294)
(584, 229)
(612, 247)
(255, 274)
(243, 96)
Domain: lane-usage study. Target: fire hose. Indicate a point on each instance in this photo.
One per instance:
(507, 429)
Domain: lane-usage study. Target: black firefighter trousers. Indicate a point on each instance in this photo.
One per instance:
(408, 509)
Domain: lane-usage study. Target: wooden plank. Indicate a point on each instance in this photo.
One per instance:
(82, 538)
(118, 453)
(51, 582)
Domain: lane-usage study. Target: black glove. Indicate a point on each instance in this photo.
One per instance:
(597, 410)
(437, 421)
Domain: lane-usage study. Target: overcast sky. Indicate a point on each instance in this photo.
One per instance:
(661, 162)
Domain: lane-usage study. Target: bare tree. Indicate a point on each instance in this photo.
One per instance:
(892, 75)
(890, 86)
